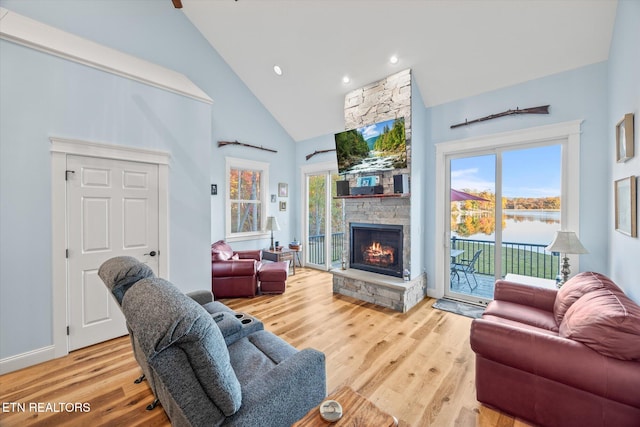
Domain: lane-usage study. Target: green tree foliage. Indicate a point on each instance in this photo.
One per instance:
(478, 215)
(244, 192)
(350, 148)
(545, 203)
(317, 202)
(392, 140)
(317, 199)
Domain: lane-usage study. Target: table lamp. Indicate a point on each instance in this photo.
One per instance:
(566, 242)
(272, 224)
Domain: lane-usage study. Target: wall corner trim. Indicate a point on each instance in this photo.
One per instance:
(36, 35)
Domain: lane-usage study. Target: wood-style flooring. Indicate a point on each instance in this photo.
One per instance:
(417, 366)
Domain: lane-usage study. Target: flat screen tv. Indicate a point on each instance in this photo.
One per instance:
(378, 147)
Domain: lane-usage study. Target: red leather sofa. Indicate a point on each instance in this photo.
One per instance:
(566, 358)
(234, 273)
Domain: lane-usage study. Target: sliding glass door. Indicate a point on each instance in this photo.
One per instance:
(324, 219)
(473, 232)
(504, 208)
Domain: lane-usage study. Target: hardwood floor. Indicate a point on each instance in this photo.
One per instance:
(417, 366)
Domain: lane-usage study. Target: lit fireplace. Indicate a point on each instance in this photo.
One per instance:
(376, 248)
(378, 255)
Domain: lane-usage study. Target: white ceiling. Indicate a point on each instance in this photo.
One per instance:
(455, 48)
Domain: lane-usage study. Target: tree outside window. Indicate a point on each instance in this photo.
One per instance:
(246, 186)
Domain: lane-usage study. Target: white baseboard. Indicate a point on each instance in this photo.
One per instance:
(24, 360)
(435, 293)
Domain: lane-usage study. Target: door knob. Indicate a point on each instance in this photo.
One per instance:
(152, 253)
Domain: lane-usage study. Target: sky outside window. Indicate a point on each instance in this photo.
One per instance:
(532, 172)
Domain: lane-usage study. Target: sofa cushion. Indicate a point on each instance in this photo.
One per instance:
(606, 321)
(522, 313)
(517, 324)
(577, 286)
(221, 251)
(255, 355)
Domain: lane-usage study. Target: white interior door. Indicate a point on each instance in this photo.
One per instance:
(112, 210)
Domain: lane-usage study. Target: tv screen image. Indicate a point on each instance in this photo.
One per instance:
(378, 147)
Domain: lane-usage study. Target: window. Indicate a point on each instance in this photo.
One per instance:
(247, 185)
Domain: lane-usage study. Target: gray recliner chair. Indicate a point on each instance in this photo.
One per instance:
(121, 273)
(203, 376)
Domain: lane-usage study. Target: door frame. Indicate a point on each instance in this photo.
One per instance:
(569, 132)
(60, 148)
(323, 167)
(497, 164)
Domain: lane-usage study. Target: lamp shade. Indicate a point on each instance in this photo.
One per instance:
(272, 224)
(566, 242)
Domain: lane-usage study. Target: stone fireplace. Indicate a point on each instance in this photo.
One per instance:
(380, 226)
(376, 248)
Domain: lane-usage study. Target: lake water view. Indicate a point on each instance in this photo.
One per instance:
(522, 226)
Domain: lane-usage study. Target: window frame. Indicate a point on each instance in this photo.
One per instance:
(568, 136)
(236, 163)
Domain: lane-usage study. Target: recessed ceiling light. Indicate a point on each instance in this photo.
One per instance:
(277, 70)
(394, 59)
(346, 79)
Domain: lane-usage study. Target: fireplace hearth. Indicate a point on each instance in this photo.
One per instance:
(376, 248)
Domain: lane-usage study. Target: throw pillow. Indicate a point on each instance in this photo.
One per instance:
(606, 321)
(221, 251)
(577, 286)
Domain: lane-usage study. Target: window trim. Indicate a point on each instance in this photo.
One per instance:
(263, 167)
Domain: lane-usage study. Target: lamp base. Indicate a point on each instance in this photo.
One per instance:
(272, 247)
(565, 271)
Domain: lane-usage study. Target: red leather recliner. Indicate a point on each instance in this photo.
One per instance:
(234, 273)
(566, 358)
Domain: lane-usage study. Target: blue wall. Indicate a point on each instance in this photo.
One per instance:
(580, 94)
(304, 148)
(155, 31)
(624, 97)
(44, 96)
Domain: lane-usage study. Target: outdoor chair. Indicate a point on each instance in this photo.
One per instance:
(466, 267)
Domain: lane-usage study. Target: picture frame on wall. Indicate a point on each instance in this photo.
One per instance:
(624, 138)
(283, 206)
(283, 189)
(626, 206)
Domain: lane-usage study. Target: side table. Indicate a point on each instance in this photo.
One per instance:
(297, 253)
(356, 410)
(282, 255)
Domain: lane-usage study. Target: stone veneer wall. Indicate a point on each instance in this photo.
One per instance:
(386, 99)
(386, 210)
(385, 291)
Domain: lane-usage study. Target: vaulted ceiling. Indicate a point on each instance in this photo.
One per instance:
(455, 48)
